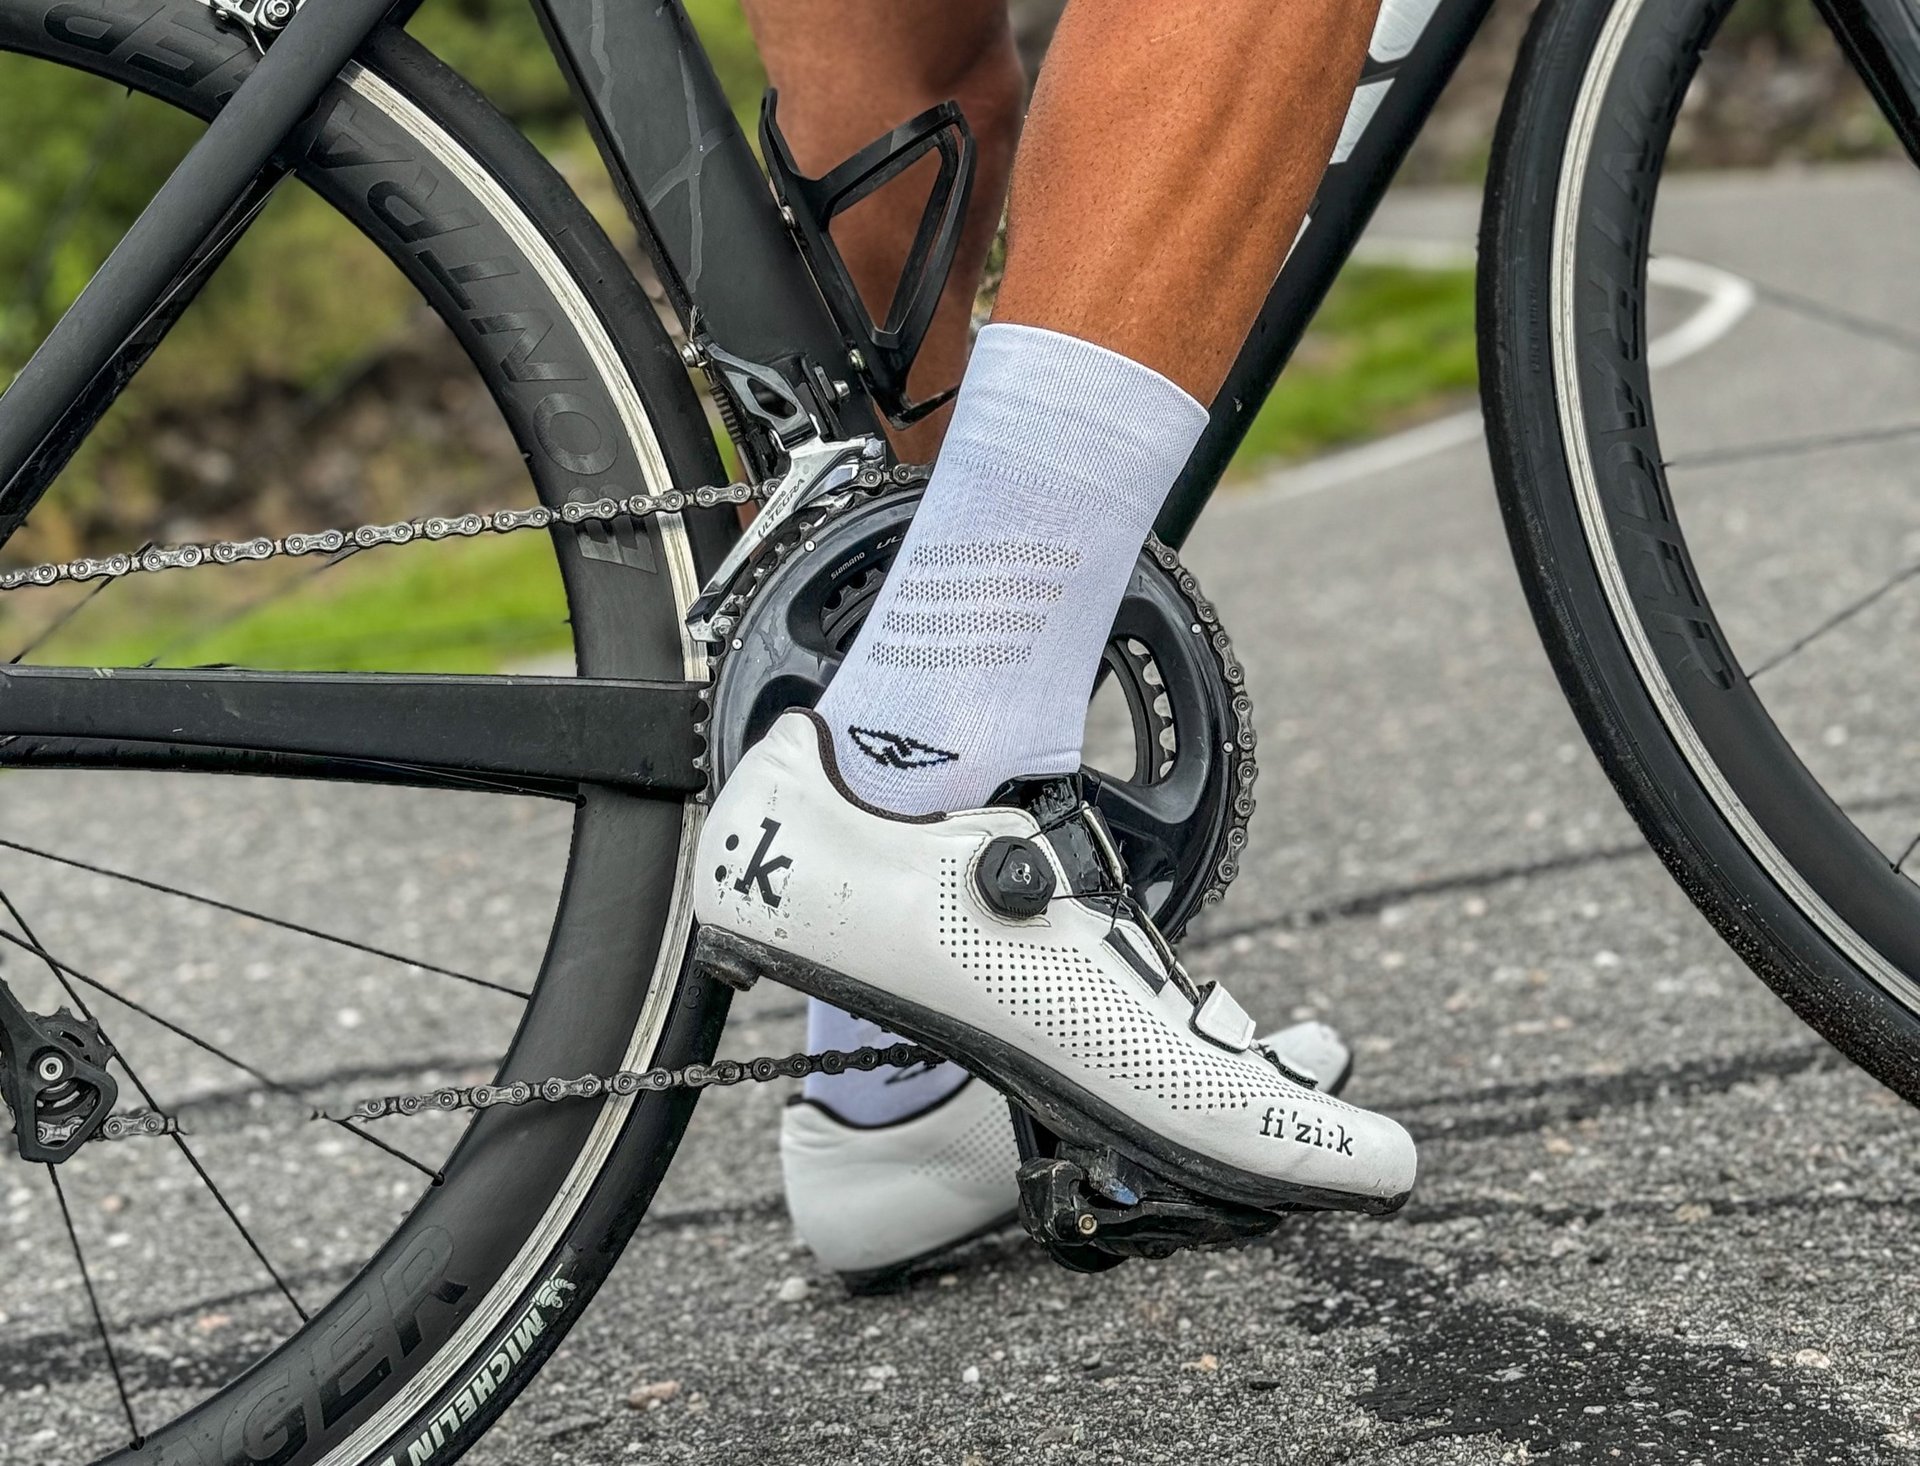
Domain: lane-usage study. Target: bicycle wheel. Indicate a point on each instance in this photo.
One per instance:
(419, 1303)
(1670, 595)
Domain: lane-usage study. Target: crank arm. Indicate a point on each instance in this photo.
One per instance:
(816, 470)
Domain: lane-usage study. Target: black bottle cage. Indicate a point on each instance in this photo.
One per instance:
(884, 353)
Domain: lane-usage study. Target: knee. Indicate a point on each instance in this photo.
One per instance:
(983, 73)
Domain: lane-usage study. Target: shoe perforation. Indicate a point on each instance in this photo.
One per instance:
(1097, 1019)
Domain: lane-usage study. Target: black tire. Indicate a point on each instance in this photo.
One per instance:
(536, 1203)
(1806, 899)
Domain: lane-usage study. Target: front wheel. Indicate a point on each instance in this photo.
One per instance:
(1707, 587)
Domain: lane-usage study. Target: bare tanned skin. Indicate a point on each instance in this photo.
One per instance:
(1172, 150)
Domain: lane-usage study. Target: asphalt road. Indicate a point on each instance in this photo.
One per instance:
(1658, 1220)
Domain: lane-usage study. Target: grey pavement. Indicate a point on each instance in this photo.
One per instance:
(1658, 1219)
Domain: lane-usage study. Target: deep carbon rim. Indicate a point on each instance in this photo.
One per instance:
(1737, 814)
(602, 649)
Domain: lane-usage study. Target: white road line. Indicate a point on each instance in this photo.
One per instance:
(1726, 299)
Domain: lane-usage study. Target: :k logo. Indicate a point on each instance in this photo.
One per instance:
(760, 870)
(897, 751)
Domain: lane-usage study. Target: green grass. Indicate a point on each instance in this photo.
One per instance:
(475, 606)
(1391, 347)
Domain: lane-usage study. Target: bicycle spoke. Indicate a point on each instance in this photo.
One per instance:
(1832, 315)
(260, 916)
(573, 730)
(31, 945)
(60, 623)
(67, 976)
(1907, 854)
(1792, 447)
(1833, 622)
(253, 1246)
(93, 1302)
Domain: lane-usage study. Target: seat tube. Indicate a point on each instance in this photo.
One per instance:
(692, 184)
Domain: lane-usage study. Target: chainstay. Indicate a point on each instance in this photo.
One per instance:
(624, 1083)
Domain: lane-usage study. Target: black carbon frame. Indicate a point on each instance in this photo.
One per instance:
(1352, 189)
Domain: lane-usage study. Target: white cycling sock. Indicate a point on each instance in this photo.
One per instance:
(978, 658)
(871, 1096)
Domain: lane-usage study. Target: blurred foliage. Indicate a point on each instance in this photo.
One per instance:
(1791, 24)
(98, 154)
(494, 603)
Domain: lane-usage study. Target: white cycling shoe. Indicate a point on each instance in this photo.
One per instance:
(874, 1202)
(1004, 939)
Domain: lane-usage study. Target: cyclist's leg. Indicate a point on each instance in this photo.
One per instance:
(1165, 171)
(847, 71)
(1171, 152)
(1170, 156)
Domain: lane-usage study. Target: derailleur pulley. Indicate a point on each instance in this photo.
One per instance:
(53, 1077)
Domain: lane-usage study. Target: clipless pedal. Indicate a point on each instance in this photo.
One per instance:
(1093, 1209)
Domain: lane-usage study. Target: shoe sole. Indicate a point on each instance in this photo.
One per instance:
(1062, 1106)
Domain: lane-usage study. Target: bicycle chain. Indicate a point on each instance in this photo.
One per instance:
(143, 1124)
(623, 1084)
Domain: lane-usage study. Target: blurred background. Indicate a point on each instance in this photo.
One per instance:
(310, 388)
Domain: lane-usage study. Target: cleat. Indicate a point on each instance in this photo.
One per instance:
(1080, 1012)
(874, 1203)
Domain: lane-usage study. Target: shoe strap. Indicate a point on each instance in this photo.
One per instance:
(1077, 833)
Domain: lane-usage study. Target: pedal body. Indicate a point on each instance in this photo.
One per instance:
(1094, 1209)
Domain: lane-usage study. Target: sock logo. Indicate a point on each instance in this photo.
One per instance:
(897, 751)
(759, 871)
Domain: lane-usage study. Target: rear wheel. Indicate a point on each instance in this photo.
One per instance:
(383, 1298)
(1685, 615)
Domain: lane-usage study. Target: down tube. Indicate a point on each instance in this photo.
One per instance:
(1416, 46)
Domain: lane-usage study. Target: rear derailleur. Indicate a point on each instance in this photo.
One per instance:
(1094, 1209)
(53, 1077)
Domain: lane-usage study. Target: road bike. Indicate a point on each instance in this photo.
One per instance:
(490, 1204)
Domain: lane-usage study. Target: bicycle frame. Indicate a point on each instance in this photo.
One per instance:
(667, 134)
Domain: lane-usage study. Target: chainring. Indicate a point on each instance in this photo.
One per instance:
(1179, 814)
